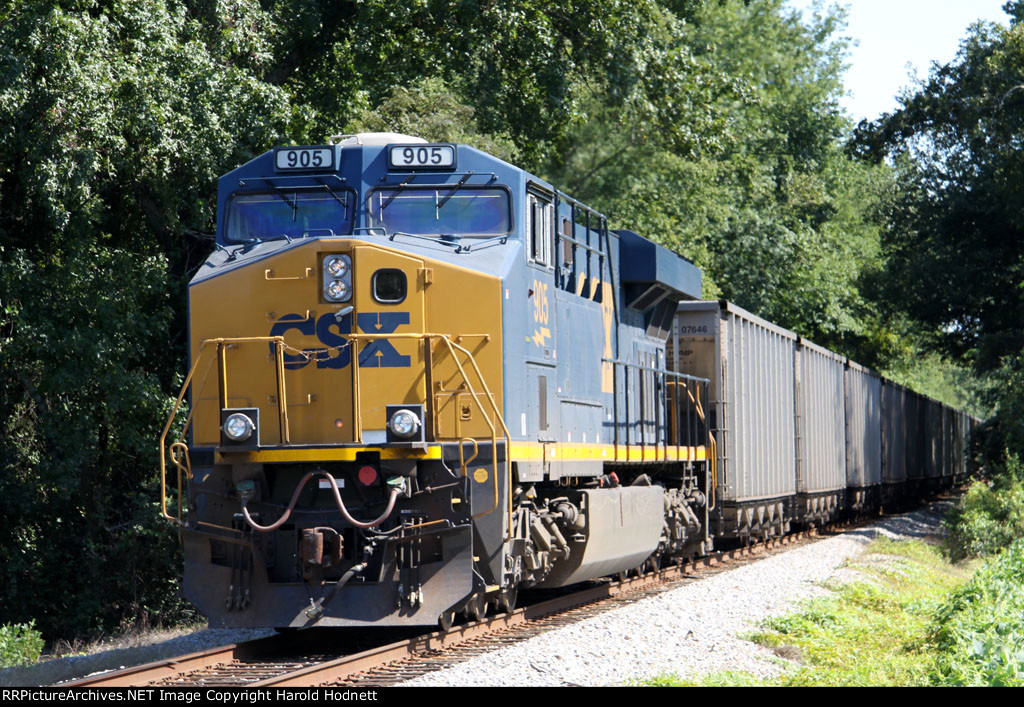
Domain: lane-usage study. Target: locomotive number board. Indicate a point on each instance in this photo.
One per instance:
(421, 156)
(289, 159)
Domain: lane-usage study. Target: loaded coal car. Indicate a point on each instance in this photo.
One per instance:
(423, 379)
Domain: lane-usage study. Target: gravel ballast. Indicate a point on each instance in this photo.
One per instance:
(690, 631)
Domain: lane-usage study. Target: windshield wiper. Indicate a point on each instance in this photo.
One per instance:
(501, 240)
(250, 243)
(444, 238)
(398, 190)
(340, 200)
(453, 241)
(458, 186)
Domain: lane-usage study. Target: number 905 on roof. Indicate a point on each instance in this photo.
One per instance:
(288, 159)
(421, 156)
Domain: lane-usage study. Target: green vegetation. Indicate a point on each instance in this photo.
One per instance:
(954, 251)
(918, 620)
(990, 516)
(778, 217)
(979, 631)
(875, 632)
(869, 633)
(20, 644)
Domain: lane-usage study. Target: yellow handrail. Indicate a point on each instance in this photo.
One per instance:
(221, 345)
(462, 458)
(179, 444)
(713, 448)
(494, 435)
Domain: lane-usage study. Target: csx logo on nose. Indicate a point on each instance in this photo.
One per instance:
(378, 353)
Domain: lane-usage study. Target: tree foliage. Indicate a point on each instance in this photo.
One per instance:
(779, 218)
(956, 252)
(114, 124)
(955, 231)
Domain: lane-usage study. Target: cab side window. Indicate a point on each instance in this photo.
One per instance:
(540, 217)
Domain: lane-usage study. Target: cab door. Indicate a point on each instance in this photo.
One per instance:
(389, 298)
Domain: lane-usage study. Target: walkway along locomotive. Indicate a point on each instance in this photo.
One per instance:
(423, 379)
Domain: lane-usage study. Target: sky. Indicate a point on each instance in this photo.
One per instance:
(892, 34)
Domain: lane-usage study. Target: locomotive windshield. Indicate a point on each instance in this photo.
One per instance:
(466, 212)
(294, 214)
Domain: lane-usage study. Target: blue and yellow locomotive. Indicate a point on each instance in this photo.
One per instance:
(421, 380)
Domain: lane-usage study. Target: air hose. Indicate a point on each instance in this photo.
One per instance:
(337, 500)
(316, 610)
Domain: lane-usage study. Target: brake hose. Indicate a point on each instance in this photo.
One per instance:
(337, 500)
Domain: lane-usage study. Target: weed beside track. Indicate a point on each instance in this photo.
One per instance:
(907, 617)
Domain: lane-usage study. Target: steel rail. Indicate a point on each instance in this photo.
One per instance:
(162, 669)
(351, 666)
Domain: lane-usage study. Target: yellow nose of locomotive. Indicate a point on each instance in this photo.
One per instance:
(355, 325)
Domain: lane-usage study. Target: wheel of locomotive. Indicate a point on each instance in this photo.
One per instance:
(476, 608)
(446, 619)
(507, 598)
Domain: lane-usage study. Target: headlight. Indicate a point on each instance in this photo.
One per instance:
(337, 278)
(337, 290)
(404, 423)
(337, 266)
(238, 427)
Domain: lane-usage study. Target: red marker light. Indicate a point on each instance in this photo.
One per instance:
(367, 475)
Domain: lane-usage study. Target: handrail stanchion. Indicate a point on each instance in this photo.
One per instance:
(357, 412)
(463, 462)
(222, 373)
(167, 428)
(282, 395)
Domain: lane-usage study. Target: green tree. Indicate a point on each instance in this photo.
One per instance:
(520, 64)
(766, 202)
(114, 124)
(954, 242)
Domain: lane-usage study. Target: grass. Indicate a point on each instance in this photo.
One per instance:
(877, 631)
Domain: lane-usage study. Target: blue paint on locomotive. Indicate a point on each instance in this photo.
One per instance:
(555, 319)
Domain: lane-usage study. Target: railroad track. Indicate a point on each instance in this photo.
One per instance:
(311, 658)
